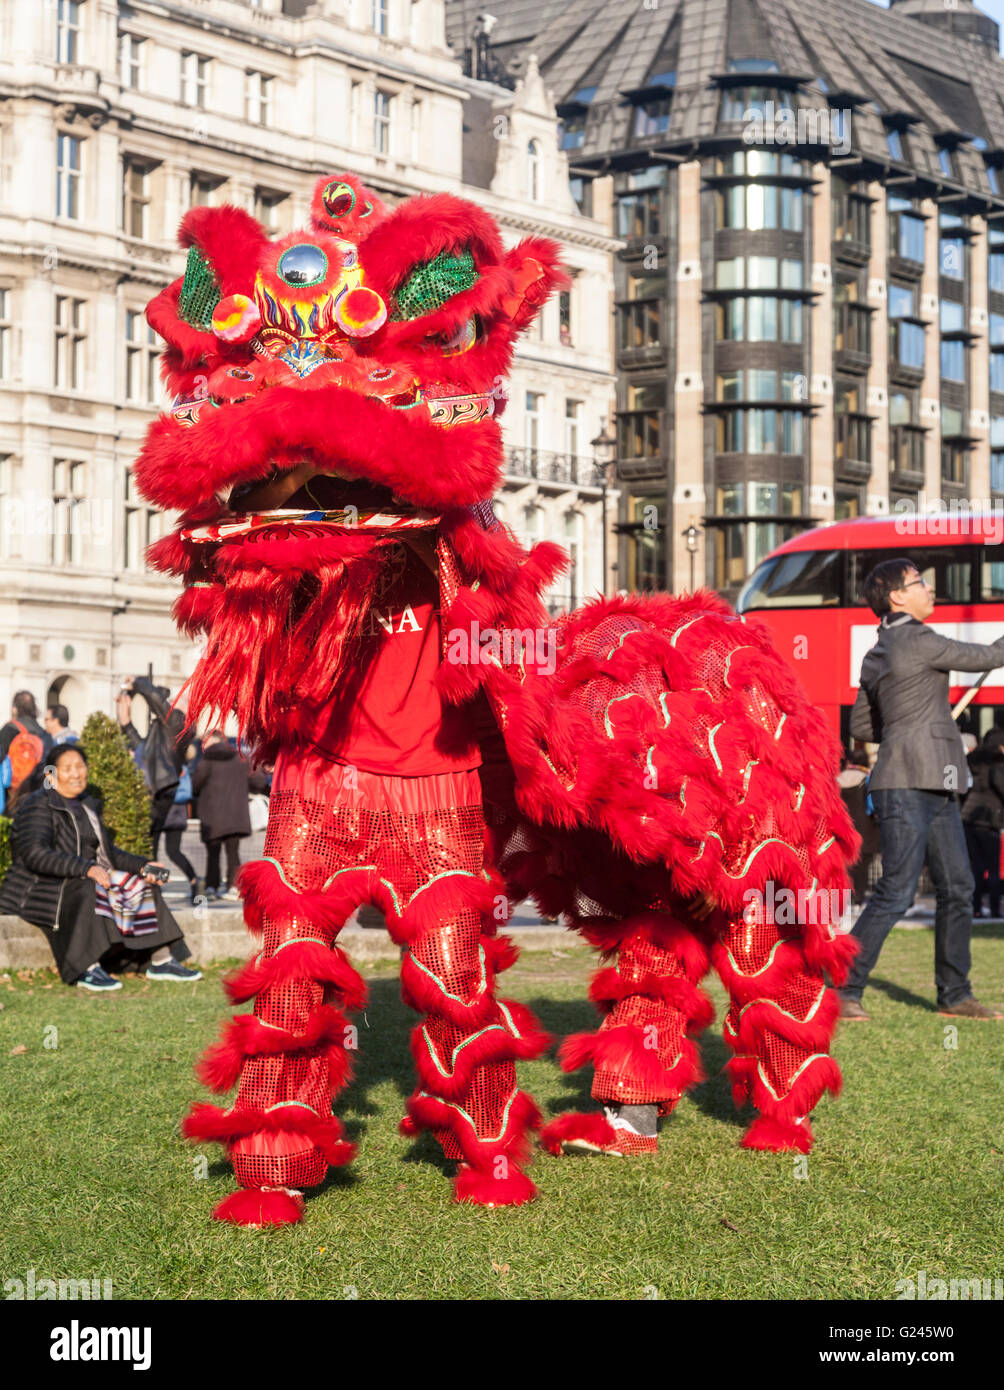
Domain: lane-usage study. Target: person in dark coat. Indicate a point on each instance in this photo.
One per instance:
(61, 853)
(164, 748)
(983, 817)
(221, 784)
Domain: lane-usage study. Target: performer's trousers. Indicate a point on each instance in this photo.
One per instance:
(338, 837)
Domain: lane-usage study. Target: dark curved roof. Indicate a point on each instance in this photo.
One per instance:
(889, 67)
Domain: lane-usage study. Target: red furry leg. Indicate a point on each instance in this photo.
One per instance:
(292, 1054)
(780, 1025)
(465, 1050)
(643, 1053)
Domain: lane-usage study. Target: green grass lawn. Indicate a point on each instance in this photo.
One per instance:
(907, 1173)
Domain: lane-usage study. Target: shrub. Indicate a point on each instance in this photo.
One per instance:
(116, 781)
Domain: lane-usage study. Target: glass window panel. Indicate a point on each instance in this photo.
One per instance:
(729, 386)
(801, 579)
(729, 274)
(901, 302)
(791, 275)
(951, 316)
(762, 273)
(997, 330)
(730, 500)
(762, 385)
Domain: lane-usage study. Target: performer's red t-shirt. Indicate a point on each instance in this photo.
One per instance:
(387, 716)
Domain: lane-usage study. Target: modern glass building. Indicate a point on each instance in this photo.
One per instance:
(809, 297)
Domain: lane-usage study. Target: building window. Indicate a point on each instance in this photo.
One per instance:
(266, 209)
(952, 256)
(759, 207)
(416, 132)
(257, 98)
(573, 427)
(379, 16)
(381, 122)
(68, 31)
(759, 319)
(764, 432)
(894, 144)
(531, 421)
(945, 163)
(67, 491)
(573, 544)
(194, 79)
(532, 521)
(533, 170)
(6, 335)
(572, 130)
(582, 194)
(142, 357)
(639, 427)
(641, 324)
(851, 426)
(639, 205)
(995, 268)
(953, 359)
(647, 547)
(202, 190)
(135, 198)
(997, 472)
(906, 230)
(851, 213)
(141, 527)
(565, 318)
(68, 366)
(996, 372)
(131, 61)
(742, 103)
(68, 154)
(951, 316)
(652, 118)
(846, 505)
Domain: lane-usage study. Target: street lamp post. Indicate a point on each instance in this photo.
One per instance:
(603, 446)
(692, 536)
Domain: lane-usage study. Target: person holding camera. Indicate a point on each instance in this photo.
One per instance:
(902, 705)
(99, 906)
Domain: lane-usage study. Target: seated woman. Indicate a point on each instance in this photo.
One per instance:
(90, 898)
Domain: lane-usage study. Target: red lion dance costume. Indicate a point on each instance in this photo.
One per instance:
(441, 750)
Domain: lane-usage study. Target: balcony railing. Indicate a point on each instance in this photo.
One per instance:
(576, 470)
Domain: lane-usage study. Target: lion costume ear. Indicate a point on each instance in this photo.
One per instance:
(225, 245)
(537, 273)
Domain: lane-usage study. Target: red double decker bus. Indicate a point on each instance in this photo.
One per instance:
(808, 592)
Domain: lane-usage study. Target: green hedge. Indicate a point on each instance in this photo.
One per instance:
(117, 783)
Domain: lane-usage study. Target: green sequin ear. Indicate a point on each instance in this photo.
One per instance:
(430, 285)
(200, 292)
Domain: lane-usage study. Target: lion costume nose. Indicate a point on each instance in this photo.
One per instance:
(360, 312)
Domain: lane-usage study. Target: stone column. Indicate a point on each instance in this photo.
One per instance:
(979, 362)
(820, 423)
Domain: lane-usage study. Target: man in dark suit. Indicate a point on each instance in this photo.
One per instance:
(921, 768)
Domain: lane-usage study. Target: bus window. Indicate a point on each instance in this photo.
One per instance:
(800, 579)
(949, 569)
(991, 588)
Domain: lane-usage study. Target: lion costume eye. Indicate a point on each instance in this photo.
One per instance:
(431, 284)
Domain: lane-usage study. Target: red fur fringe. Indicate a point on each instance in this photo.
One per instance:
(246, 1036)
(769, 1134)
(428, 1112)
(591, 1126)
(254, 1206)
(209, 1124)
(310, 960)
(485, 1190)
(621, 1049)
(821, 1074)
(499, 1045)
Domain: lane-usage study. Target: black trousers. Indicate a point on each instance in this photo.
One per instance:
(229, 843)
(984, 845)
(172, 845)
